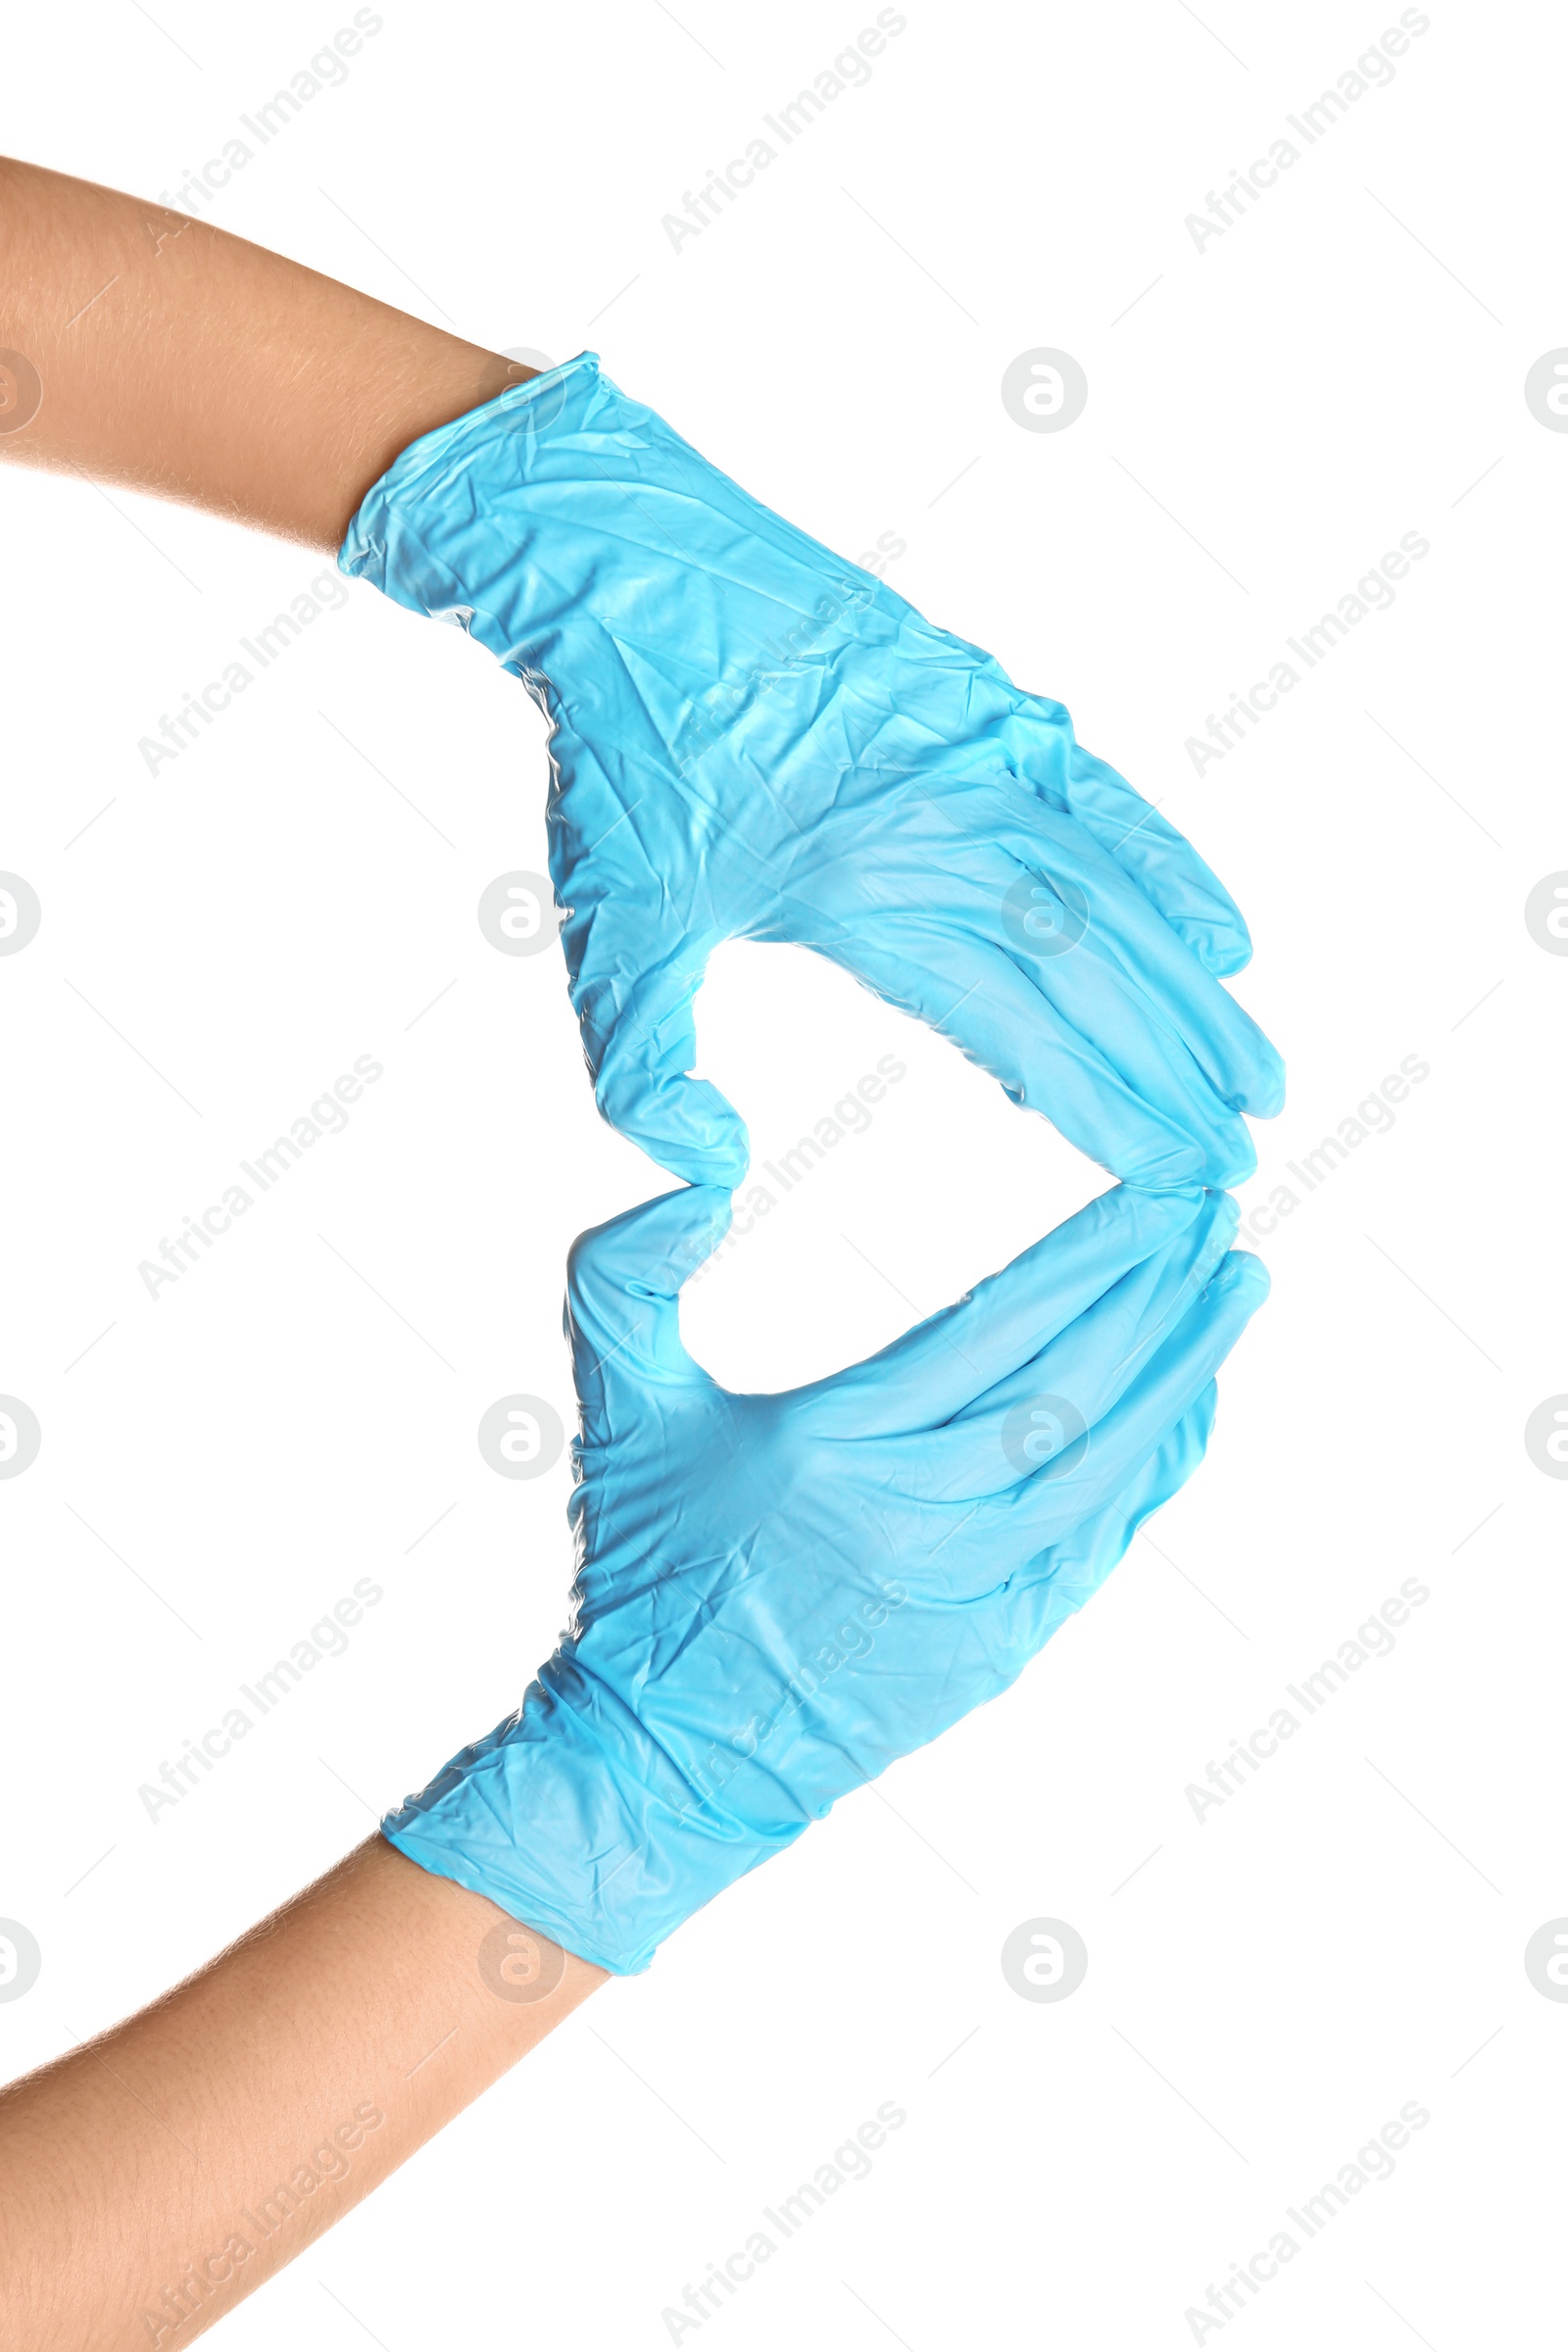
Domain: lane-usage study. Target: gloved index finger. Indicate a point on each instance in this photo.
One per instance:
(955, 1355)
(1061, 1394)
(1163, 862)
(623, 1282)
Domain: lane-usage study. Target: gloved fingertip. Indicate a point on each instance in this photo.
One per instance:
(720, 1168)
(651, 1247)
(1222, 949)
(1177, 1455)
(1265, 1096)
(688, 1228)
(1148, 1219)
(1174, 1167)
(684, 1124)
(1237, 1162)
(623, 1285)
(1241, 1282)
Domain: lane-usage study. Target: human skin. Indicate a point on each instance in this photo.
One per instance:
(141, 2177)
(176, 359)
(135, 2170)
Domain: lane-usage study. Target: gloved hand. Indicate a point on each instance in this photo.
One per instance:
(777, 1595)
(754, 739)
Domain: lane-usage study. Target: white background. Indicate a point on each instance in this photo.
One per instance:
(1344, 366)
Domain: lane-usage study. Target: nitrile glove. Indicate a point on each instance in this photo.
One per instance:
(754, 739)
(779, 1595)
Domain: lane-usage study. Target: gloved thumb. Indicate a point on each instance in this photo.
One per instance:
(640, 1039)
(623, 1282)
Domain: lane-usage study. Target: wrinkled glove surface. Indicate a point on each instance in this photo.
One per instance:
(779, 1595)
(755, 739)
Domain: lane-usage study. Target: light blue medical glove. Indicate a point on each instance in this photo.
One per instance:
(779, 1595)
(754, 739)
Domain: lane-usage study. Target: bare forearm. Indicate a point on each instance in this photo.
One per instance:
(151, 2180)
(159, 352)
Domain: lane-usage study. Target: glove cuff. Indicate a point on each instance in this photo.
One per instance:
(569, 1817)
